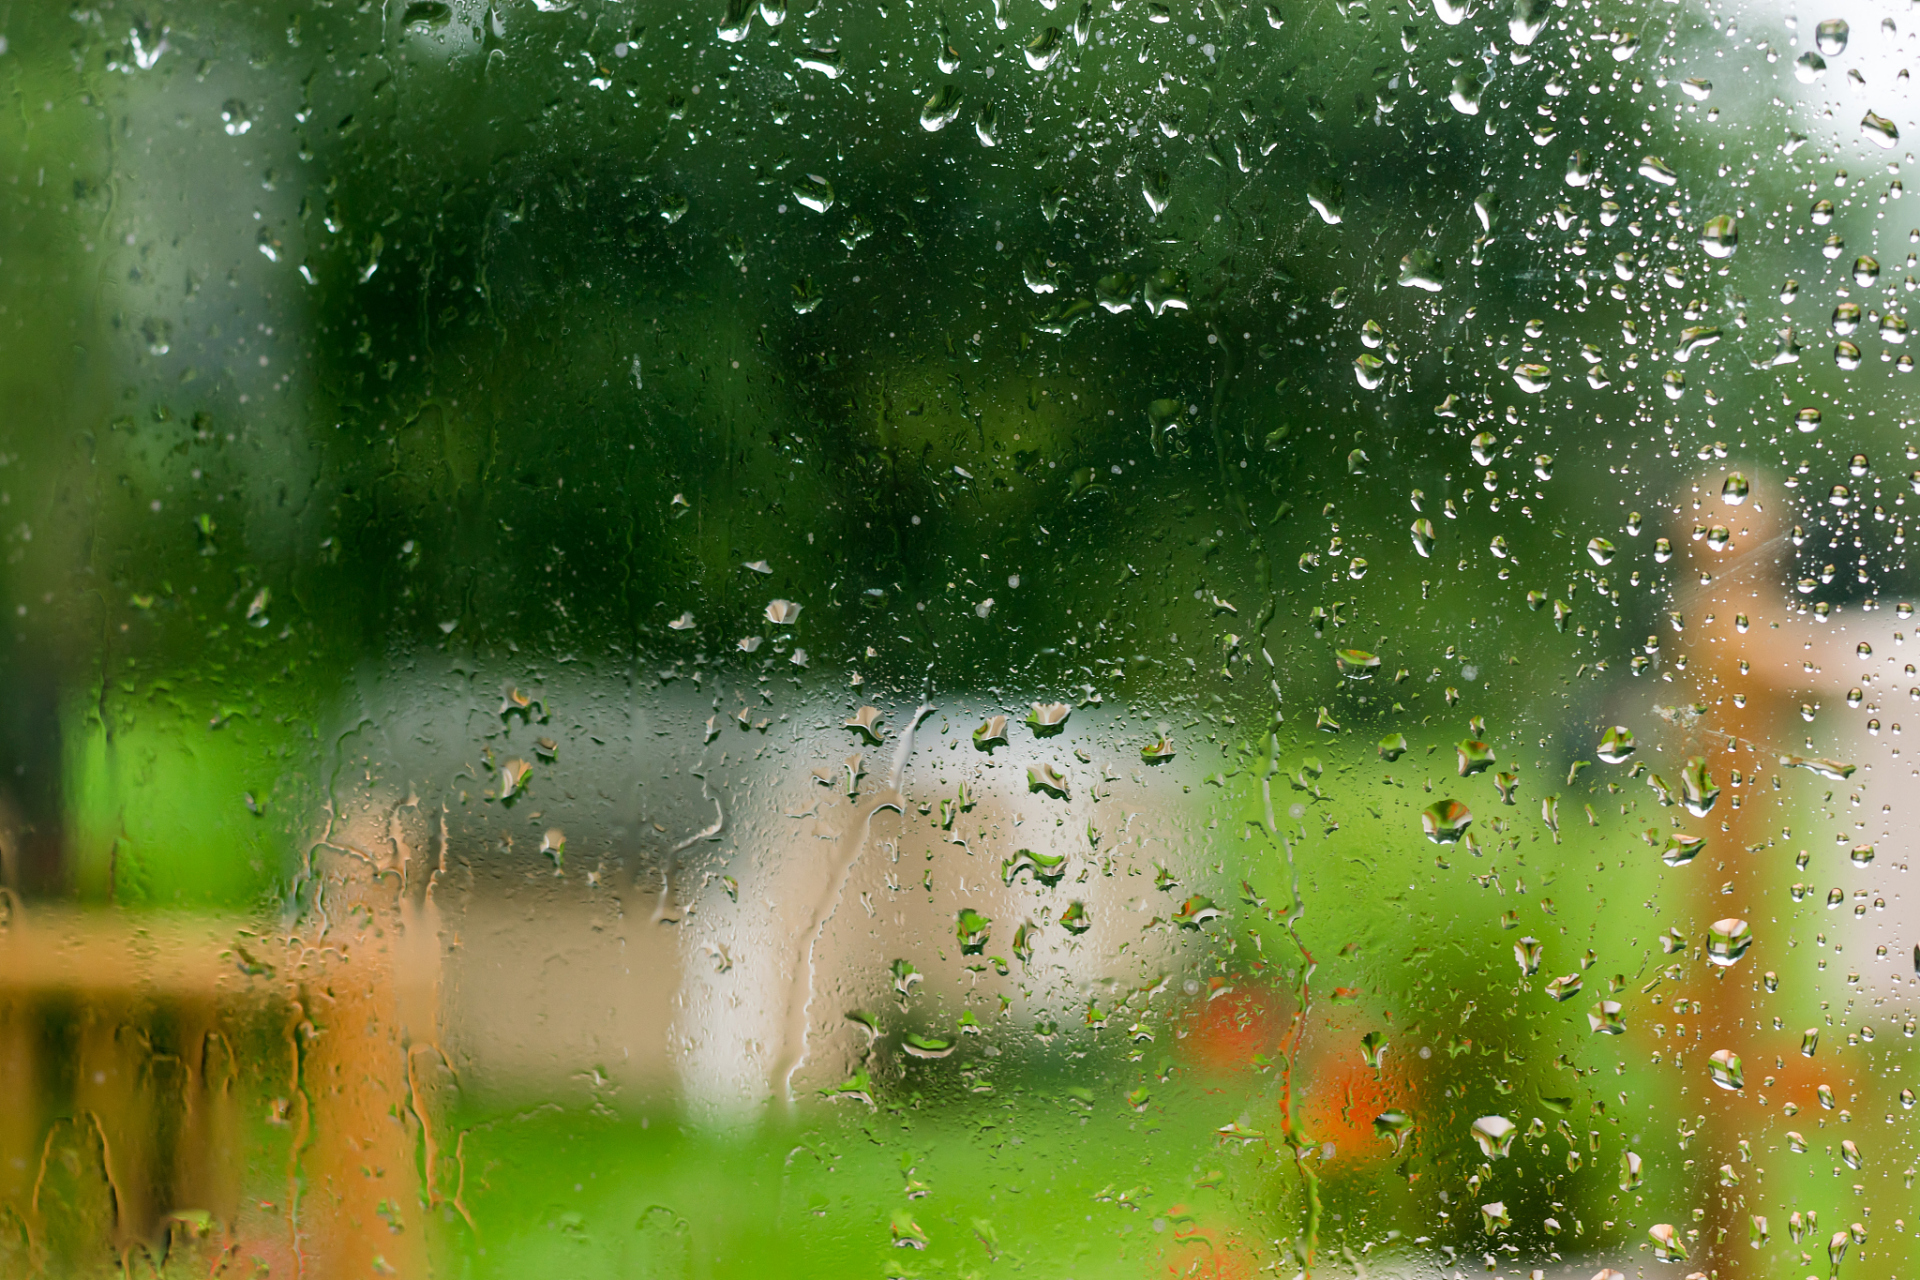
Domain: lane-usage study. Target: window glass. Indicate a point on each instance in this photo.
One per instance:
(1081, 638)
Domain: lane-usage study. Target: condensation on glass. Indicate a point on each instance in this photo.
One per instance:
(1089, 639)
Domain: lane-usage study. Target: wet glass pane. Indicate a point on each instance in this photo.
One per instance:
(1076, 638)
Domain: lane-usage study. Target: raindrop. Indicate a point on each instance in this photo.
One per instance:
(1420, 269)
(1528, 21)
(1667, 1244)
(1394, 1127)
(1329, 199)
(1682, 848)
(1831, 770)
(1045, 49)
(1880, 129)
(1474, 757)
(1445, 821)
(1697, 788)
(1606, 1019)
(1467, 88)
(1048, 717)
(1356, 664)
(1830, 37)
(1654, 169)
(1727, 941)
(1155, 186)
(986, 125)
(1494, 1134)
(941, 109)
(1616, 744)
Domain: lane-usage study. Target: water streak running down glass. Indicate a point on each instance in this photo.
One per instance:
(1070, 638)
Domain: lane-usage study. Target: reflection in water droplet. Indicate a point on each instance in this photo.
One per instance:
(941, 109)
(1329, 199)
(1727, 941)
(1157, 188)
(1698, 791)
(1394, 1127)
(1421, 269)
(1682, 848)
(1667, 1244)
(1494, 1136)
(1465, 95)
(1445, 821)
(1045, 49)
(1616, 744)
(1654, 169)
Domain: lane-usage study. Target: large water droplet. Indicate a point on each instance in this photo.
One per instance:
(941, 109)
(1724, 1067)
(1880, 130)
(1420, 269)
(1728, 940)
(1616, 744)
(1697, 788)
(1682, 848)
(1654, 169)
(1474, 757)
(1528, 21)
(1445, 821)
(1667, 1243)
(1467, 88)
(1720, 236)
(1494, 1135)
(1156, 188)
(1329, 199)
(1045, 49)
